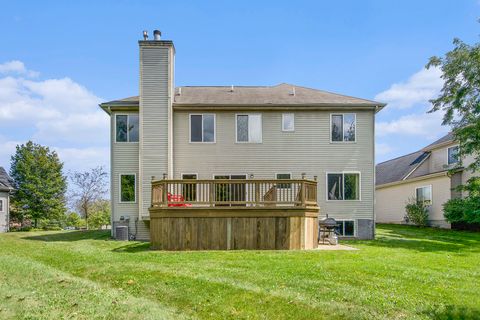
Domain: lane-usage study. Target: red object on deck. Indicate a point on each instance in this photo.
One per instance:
(177, 198)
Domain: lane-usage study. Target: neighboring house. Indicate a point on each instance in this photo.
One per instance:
(423, 176)
(6, 187)
(239, 132)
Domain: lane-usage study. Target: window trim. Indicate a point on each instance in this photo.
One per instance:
(343, 177)
(115, 125)
(190, 128)
(236, 129)
(448, 157)
(354, 227)
(431, 193)
(283, 123)
(343, 115)
(3, 208)
(120, 188)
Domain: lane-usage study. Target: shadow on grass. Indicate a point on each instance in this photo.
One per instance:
(71, 236)
(133, 248)
(425, 239)
(454, 313)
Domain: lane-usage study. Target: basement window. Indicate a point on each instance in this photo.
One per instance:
(345, 228)
(126, 128)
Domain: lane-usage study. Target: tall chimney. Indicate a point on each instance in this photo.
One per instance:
(156, 93)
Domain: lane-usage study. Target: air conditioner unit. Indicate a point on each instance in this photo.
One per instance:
(121, 233)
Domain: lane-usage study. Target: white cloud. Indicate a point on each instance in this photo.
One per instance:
(418, 89)
(59, 113)
(426, 125)
(382, 149)
(17, 67)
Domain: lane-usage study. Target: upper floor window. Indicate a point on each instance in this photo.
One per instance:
(126, 128)
(343, 186)
(127, 188)
(202, 128)
(249, 128)
(424, 195)
(453, 155)
(288, 122)
(2, 206)
(343, 127)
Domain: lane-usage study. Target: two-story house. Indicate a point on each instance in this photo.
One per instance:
(420, 176)
(246, 134)
(6, 187)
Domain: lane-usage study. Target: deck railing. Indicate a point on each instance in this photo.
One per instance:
(226, 192)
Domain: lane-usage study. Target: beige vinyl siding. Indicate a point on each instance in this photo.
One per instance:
(154, 104)
(391, 201)
(4, 214)
(124, 160)
(307, 149)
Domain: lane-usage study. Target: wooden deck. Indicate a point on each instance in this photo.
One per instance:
(234, 214)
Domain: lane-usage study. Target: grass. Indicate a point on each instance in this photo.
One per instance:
(407, 273)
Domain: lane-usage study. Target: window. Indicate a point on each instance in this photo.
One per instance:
(283, 176)
(2, 209)
(424, 195)
(452, 155)
(343, 127)
(343, 186)
(189, 189)
(249, 128)
(202, 128)
(126, 128)
(288, 122)
(127, 188)
(345, 228)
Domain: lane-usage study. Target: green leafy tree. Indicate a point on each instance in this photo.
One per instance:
(459, 99)
(40, 185)
(74, 220)
(88, 188)
(100, 214)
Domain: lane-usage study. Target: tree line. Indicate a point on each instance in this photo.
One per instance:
(42, 199)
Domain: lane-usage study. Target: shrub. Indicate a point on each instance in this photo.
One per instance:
(417, 212)
(465, 210)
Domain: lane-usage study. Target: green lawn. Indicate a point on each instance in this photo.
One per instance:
(407, 273)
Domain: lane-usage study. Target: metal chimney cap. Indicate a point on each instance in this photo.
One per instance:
(156, 34)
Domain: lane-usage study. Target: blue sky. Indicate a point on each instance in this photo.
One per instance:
(59, 59)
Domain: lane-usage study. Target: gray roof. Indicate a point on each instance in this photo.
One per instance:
(280, 95)
(447, 138)
(6, 183)
(397, 169)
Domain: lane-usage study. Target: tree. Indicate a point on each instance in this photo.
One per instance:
(74, 220)
(459, 99)
(100, 214)
(40, 185)
(88, 187)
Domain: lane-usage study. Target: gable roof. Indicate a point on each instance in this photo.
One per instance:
(399, 168)
(6, 183)
(447, 138)
(280, 95)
